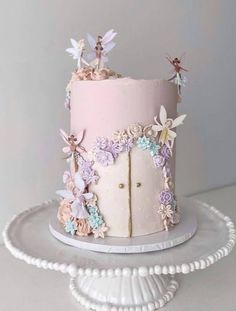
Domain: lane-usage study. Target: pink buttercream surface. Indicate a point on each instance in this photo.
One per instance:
(102, 107)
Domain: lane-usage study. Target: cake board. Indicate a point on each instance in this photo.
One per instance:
(101, 281)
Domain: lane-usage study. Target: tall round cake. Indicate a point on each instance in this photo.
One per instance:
(121, 154)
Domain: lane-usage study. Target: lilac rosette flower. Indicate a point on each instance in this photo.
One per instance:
(101, 143)
(159, 161)
(87, 172)
(105, 158)
(114, 148)
(166, 152)
(166, 197)
(127, 145)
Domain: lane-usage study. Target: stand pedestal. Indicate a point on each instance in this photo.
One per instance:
(121, 282)
(147, 293)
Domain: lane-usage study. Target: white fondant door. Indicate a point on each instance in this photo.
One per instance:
(128, 194)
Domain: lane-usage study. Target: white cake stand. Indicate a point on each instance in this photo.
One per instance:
(135, 282)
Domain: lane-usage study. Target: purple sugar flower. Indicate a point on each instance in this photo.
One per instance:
(101, 143)
(166, 197)
(159, 161)
(114, 148)
(127, 144)
(90, 176)
(104, 158)
(166, 152)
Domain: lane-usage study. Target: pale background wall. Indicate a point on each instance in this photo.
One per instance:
(34, 70)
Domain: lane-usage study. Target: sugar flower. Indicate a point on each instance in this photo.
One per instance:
(166, 197)
(166, 152)
(143, 143)
(127, 144)
(101, 143)
(64, 211)
(78, 197)
(159, 161)
(135, 131)
(70, 227)
(165, 126)
(149, 132)
(165, 211)
(153, 148)
(95, 220)
(100, 231)
(87, 172)
(114, 148)
(120, 136)
(104, 158)
(83, 227)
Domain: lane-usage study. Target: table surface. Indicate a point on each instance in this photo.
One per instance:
(25, 288)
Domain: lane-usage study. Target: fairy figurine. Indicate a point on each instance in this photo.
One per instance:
(76, 51)
(100, 48)
(177, 77)
(167, 135)
(73, 148)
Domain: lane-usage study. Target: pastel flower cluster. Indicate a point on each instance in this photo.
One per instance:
(106, 151)
(78, 211)
(87, 172)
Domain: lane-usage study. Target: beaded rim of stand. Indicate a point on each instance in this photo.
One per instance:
(74, 271)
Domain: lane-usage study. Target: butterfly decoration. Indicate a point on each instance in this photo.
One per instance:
(76, 51)
(167, 135)
(100, 48)
(78, 197)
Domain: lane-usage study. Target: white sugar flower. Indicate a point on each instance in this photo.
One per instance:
(100, 231)
(165, 211)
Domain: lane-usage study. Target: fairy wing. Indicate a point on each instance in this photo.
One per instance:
(66, 149)
(80, 136)
(65, 194)
(157, 128)
(163, 115)
(108, 47)
(72, 52)
(179, 120)
(92, 42)
(74, 43)
(80, 184)
(64, 136)
(172, 134)
(90, 56)
(104, 59)
(109, 36)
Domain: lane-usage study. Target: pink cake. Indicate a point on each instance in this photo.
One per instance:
(120, 149)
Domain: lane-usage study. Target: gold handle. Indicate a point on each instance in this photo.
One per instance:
(121, 186)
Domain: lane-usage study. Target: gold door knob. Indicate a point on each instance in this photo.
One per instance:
(121, 186)
(138, 184)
